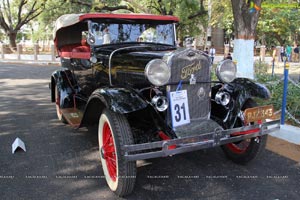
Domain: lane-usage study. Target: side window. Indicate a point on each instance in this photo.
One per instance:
(102, 33)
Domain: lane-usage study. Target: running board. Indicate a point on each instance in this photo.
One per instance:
(72, 115)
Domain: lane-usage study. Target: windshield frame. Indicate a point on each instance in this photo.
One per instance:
(118, 32)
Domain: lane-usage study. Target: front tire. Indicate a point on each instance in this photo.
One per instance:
(113, 133)
(244, 151)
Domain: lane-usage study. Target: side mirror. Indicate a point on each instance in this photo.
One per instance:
(91, 39)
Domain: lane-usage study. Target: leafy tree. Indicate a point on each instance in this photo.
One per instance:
(104, 5)
(190, 20)
(1, 36)
(279, 22)
(192, 14)
(194, 19)
(14, 14)
(53, 10)
(222, 17)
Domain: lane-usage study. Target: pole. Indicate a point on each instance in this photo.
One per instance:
(209, 11)
(273, 65)
(274, 51)
(285, 89)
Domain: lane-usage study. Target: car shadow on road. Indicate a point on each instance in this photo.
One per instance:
(205, 174)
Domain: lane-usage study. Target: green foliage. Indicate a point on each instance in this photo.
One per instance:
(222, 16)
(275, 85)
(16, 14)
(260, 67)
(279, 22)
(1, 36)
(192, 16)
(53, 10)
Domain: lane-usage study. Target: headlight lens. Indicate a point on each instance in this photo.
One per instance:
(158, 72)
(226, 71)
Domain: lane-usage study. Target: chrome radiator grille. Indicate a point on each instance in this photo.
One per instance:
(183, 65)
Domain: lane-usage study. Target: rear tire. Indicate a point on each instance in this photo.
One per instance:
(244, 151)
(58, 106)
(113, 133)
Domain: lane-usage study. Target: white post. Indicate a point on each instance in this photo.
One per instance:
(52, 52)
(19, 49)
(36, 51)
(262, 52)
(2, 50)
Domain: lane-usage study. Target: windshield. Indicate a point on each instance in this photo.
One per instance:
(102, 33)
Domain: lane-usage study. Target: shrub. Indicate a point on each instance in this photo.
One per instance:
(275, 85)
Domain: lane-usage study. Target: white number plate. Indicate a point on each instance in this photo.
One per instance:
(179, 108)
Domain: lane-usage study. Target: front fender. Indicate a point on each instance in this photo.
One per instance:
(240, 90)
(119, 100)
(251, 89)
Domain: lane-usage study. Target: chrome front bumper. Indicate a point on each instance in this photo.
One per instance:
(197, 142)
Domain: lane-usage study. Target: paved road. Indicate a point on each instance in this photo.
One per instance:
(62, 163)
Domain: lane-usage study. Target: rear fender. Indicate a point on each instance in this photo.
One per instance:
(66, 84)
(119, 100)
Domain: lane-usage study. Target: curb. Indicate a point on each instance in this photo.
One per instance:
(41, 62)
(288, 133)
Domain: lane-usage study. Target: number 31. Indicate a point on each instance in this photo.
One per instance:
(179, 111)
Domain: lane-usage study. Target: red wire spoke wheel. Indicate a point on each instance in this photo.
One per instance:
(244, 151)
(113, 133)
(108, 151)
(239, 147)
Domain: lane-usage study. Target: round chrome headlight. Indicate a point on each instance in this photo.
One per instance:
(157, 72)
(226, 71)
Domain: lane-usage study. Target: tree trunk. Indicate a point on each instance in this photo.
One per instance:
(245, 22)
(12, 40)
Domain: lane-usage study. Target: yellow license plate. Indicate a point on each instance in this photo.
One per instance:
(258, 113)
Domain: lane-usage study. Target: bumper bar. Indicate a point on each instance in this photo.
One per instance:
(194, 143)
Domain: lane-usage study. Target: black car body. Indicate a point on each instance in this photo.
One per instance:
(149, 97)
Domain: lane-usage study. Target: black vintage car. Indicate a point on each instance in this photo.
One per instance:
(149, 97)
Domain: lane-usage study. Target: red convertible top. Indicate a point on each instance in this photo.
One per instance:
(68, 30)
(129, 16)
(71, 19)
